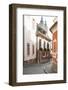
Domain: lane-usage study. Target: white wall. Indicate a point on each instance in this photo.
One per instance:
(30, 37)
(4, 47)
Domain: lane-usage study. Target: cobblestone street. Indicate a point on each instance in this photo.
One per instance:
(43, 68)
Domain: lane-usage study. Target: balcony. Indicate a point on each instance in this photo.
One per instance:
(44, 36)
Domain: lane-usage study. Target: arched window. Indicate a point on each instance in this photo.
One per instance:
(47, 45)
(28, 49)
(33, 49)
(33, 23)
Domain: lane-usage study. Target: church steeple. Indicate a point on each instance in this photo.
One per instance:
(46, 25)
(43, 24)
(41, 21)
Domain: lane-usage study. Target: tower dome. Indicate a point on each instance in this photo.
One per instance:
(45, 23)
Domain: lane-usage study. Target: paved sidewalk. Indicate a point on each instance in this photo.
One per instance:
(43, 68)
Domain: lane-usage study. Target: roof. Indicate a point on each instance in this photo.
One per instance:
(53, 26)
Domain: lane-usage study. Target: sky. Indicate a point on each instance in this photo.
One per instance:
(49, 19)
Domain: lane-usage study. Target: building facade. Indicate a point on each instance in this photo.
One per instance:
(43, 41)
(29, 39)
(53, 30)
(37, 43)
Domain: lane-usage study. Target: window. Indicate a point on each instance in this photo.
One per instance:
(33, 49)
(54, 46)
(33, 23)
(28, 49)
(44, 45)
(47, 45)
(40, 44)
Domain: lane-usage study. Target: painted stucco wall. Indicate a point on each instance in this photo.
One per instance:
(29, 37)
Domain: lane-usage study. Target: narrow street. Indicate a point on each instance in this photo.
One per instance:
(43, 68)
